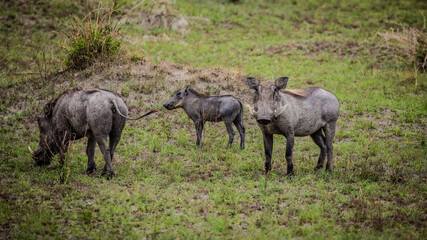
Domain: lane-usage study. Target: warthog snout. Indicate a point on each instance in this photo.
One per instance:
(264, 117)
(168, 106)
(264, 121)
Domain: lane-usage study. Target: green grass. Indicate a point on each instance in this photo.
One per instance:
(165, 187)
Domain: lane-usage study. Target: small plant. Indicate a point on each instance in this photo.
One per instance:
(93, 37)
(64, 173)
(64, 169)
(62, 162)
(41, 62)
(135, 58)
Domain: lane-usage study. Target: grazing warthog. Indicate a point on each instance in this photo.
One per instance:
(310, 111)
(201, 108)
(77, 113)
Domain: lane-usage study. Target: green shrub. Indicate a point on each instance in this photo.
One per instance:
(93, 37)
(135, 58)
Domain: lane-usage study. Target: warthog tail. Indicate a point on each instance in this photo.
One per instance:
(128, 118)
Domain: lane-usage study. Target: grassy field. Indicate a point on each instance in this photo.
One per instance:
(164, 186)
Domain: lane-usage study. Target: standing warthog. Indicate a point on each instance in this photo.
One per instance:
(310, 111)
(77, 113)
(201, 108)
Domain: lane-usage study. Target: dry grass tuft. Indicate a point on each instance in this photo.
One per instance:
(410, 45)
(96, 36)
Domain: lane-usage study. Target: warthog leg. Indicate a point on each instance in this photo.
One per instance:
(289, 154)
(241, 130)
(199, 129)
(114, 140)
(319, 139)
(329, 136)
(108, 169)
(268, 149)
(90, 151)
(230, 131)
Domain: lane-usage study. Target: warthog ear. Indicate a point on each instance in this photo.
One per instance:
(186, 90)
(281, 82)
(253, 83)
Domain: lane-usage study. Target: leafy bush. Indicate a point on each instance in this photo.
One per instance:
(93, 37)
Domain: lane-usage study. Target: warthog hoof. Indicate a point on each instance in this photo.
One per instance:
(107, 174)
(318, 167)
(90, 169)
(290, 174)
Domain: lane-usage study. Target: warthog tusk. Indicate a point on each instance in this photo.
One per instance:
(31, 150)
(251, 111)
(282, 110)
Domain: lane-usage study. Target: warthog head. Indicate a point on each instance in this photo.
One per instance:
(177, 99)
(48, 146)
(267, 99)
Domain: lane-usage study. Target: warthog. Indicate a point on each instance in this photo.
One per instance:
(310, 111)
(77, 113)
(201, 108)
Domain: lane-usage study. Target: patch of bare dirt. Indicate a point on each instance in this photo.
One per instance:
(368, 216)
(150, 83)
